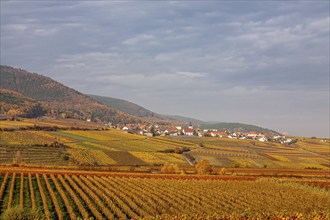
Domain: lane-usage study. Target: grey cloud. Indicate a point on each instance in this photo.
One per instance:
(139, 39)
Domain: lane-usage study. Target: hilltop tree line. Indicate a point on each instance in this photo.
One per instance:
(32, 95)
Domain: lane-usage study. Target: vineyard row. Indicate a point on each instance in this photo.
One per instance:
(63, 196)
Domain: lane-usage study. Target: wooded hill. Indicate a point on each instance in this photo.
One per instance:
(32, 95)
(15, 104)
(124, 106)
(138, 111)
(54, 98)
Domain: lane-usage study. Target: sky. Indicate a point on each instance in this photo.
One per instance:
(258, 62)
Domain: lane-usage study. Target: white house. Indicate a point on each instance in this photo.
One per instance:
(188, 131)
(252, 134)
(262, 139)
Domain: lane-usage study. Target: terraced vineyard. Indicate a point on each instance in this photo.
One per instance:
(34, 155)
(114, 147)
(90, 147)
(306, 153)
(25, 138)
(46, 121)
(315, 145)
(68, 196)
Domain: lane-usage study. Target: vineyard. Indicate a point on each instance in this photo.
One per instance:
(64, 155)
(305, 154)
(46, 121)
(66, 195)
(73, 142)
(34, 155)
(101, 147)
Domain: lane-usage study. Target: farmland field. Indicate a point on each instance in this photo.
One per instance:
(99, 147)
(68, 195)
(81, 171)
(46, 121)
(93, 147)
(305, 154)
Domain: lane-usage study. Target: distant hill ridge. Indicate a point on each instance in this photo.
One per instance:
(21, 88)
(136, 110)
(124, 106)
(60, 100)
(186, 119)
(237, 127)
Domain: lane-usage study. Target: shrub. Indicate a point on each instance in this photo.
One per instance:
(170, 168)
(204, 167)
(177, 150)
(223, 171)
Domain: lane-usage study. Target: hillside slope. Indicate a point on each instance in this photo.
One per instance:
(124, 106)
(15, 104)
(238, 127)
(137, 110)
(61, 100)
(224, 126)
(185, 119)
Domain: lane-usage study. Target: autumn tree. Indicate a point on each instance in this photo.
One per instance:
(223, 171)
(35, 111)
(204, 167)
(170, 168)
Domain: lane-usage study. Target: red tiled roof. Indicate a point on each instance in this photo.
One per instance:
(188, 130)
(220, 133)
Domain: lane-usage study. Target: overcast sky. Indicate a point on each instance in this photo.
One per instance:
(259, 62)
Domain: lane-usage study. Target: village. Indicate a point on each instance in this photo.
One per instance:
(191, 131)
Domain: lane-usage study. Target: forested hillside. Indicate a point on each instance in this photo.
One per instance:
(58, 99)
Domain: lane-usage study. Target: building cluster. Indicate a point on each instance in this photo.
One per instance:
(161, 130)
(157, 130)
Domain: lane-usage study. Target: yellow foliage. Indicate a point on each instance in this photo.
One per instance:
(223, 171)
(107, 195)
(170, 168)
(203, 167)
